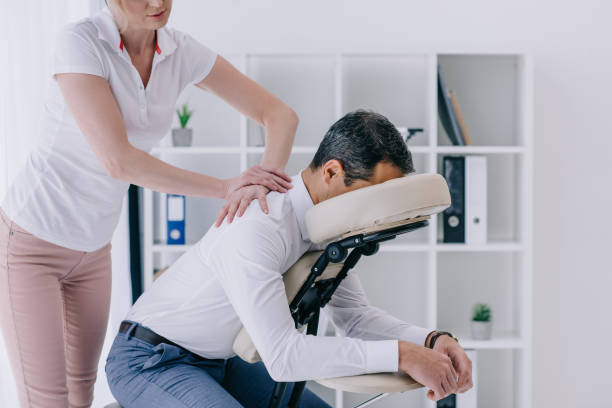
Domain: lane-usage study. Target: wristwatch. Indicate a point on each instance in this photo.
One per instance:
(438, 334)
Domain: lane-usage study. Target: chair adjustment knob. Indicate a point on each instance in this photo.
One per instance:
(336, 253)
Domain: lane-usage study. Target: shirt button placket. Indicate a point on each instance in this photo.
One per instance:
(142, 101)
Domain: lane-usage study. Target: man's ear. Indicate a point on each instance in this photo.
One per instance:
(332, 171)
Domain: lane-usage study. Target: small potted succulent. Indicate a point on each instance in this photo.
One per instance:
(481, 322)
(183, 136)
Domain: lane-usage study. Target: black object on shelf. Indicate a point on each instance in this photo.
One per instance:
(453, 169)
(447, 114)
(412, 132)
(135, 244)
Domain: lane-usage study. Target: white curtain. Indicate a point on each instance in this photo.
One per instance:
(28, 29)
(31, 26)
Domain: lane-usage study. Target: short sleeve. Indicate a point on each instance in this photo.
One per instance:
(199, 59)
(74, 53)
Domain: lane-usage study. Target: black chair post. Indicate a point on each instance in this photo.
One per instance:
(277, 394)
(298, 387)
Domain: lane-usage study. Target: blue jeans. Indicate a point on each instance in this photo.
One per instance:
(165, 376)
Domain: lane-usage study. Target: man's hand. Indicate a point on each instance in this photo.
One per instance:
(428, 367)
(445, 370)
(461, 362)
(239, 200)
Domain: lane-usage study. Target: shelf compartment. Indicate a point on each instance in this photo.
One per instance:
(392, 85)
(497, 378)
(504, 198)
(487, 88)
(306, 83)
(396, 282)
(200, 213)
(479, 277)
(214, 122)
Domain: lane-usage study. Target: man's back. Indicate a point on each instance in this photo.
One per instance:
(188, 303)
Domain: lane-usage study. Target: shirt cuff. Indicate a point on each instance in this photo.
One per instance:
(416, 335)
(382, 356)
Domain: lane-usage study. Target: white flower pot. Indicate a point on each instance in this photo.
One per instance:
(182, 136)
(481, 330)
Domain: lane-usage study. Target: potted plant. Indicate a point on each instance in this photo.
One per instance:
(183, 136)
(481, 322)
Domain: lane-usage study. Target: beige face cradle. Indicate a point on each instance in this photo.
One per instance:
(358, 219)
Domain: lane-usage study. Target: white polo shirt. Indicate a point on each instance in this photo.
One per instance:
(62, 194)
(233, 277)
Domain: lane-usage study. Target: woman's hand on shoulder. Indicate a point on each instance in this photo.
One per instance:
(239, 200)
(252, 184)
(275, 180)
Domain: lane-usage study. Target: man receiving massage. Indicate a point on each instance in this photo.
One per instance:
(175, 347)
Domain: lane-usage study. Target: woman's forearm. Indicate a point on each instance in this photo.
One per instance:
(140, 168)
(254, 102)
(280, 127)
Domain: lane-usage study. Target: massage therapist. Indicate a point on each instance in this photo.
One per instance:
(116, 80)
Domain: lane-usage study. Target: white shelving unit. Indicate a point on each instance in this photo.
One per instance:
(415, 277)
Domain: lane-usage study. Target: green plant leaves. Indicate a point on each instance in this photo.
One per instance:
(481, 312)
(184, 114)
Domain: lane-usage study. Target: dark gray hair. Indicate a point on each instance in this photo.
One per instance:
(359, 141)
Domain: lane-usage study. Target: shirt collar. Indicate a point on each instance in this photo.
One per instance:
(301, 202)
(108, 31)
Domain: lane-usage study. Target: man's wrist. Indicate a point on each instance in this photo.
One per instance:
(405, 354)
(434, 338)
(428, 338)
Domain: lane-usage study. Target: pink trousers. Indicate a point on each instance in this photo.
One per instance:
(54, 305)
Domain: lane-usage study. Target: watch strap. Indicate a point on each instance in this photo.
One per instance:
(432, 342)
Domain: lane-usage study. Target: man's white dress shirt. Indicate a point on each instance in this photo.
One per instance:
(233, 277)
(62, 194)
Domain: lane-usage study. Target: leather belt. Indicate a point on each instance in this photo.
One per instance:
(144, 334)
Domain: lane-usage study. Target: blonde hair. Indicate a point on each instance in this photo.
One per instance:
(118, 12)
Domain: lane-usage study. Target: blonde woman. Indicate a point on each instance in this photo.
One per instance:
(117, 77)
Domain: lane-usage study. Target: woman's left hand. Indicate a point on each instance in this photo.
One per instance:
(238, 201)
(273, 179)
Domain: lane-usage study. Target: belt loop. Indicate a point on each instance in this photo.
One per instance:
(129, 331)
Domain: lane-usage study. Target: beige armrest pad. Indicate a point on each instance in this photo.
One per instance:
(372, 383)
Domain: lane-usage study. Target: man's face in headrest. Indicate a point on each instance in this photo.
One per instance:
(360, 149)
(333, 183)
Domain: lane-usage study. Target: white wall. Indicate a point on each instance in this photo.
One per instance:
(572, 58)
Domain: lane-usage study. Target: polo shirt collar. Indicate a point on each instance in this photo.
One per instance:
(301, 202)
(165, 43)
(108, 31)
